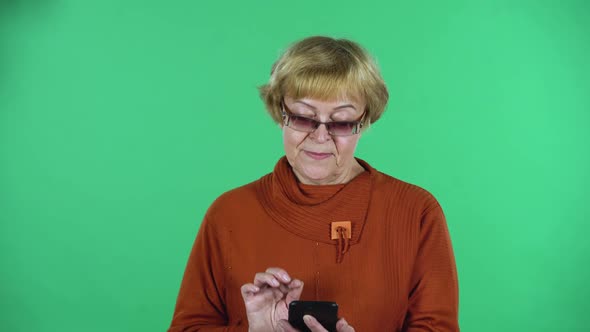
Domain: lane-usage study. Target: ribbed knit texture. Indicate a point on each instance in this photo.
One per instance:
(303, 212)
(398, 274)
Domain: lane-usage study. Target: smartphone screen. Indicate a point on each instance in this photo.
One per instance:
(325, 312)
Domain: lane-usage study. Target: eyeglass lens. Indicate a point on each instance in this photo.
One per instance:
(338, 128)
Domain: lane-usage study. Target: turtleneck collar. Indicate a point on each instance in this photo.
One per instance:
(309, 210)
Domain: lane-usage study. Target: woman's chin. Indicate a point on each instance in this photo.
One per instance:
(316, 174)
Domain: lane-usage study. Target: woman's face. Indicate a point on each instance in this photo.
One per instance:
(318, 157)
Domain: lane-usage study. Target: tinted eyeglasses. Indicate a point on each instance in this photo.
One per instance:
(308, 125)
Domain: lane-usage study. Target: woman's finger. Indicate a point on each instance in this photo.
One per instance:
(295, 289)
(313, 324)
(284, 288)
(248, 290)
(279, 273)
(342, 326)
(262, 278)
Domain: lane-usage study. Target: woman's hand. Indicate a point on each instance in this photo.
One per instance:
(315, 326)
(267, 299)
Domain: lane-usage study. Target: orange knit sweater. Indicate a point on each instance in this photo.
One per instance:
(396, 273)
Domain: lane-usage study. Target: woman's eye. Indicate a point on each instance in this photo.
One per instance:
(305, 118)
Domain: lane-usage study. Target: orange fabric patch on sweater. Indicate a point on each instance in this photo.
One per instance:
(345, 224)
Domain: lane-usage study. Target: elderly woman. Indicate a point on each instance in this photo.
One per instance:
(324, 225)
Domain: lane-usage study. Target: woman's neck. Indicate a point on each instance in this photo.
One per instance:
(342, 178)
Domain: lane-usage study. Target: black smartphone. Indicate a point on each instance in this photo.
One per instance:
(325, 312)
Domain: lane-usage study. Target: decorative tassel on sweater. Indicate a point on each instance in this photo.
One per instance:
(341, 231)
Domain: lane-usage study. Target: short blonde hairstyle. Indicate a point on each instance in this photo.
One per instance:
(325, 68)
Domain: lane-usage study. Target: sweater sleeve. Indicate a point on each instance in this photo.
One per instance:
(200, 303)
(434, 296)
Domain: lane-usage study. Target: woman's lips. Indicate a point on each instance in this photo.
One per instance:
(317, 156)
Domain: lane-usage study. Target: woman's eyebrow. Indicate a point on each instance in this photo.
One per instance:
(335, 108)
(306, 104)
(345, 106)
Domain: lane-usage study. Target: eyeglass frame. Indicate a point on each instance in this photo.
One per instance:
(287, 113)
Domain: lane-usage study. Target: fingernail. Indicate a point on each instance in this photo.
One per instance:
(285, 277)
(307, 318)
(275, 282)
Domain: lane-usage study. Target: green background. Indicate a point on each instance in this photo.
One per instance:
(121, 121)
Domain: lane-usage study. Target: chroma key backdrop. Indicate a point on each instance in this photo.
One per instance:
(122, 120)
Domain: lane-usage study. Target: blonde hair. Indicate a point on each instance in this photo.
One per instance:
(325, 68)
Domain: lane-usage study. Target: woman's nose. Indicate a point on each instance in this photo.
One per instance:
(321, 134)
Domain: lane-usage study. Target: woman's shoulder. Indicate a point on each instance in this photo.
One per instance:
(237, 200)
(397, 190)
